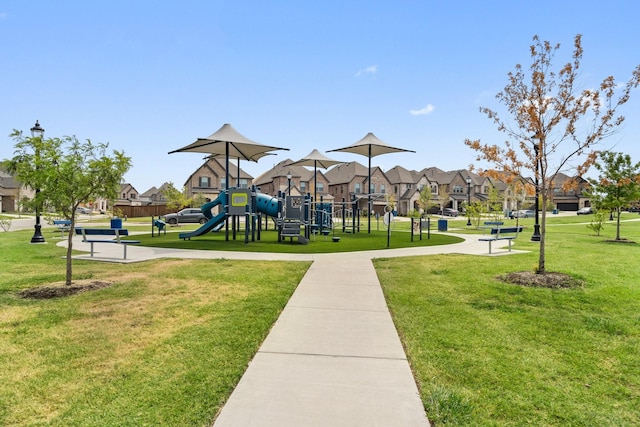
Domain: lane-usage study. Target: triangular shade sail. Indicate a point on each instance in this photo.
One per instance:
(228, 142)
(317, 160)
(371, 146)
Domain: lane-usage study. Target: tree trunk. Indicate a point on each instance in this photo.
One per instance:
(543, 226)
(72, 230)
(618, 223)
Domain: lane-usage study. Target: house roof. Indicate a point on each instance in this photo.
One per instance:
(127, 186)
(346, 172)
(398, 174)
(7, 181)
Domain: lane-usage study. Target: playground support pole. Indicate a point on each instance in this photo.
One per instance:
(247, 218)
(344, 205)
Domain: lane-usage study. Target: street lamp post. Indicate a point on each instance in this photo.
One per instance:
(289, 183)
(37, 132)
(536, 227)
(468, 200)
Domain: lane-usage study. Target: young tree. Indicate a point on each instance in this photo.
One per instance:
(176, 199)
(424, 199)
(68, 173)
(443, 193)
(552, 125)
(618, 182)
(494, 203)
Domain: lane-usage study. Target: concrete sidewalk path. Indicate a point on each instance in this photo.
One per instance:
(333, 358)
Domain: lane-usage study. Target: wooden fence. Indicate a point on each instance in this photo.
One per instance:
(141, 211)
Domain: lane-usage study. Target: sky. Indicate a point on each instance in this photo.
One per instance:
(149, 77)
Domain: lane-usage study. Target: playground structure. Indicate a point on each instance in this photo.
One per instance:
(294, 217)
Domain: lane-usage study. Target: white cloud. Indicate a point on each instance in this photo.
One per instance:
(423, 111)
(370, 70)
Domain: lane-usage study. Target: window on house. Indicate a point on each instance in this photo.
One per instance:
(223, 182)
(357, 188)
(457, 189)
(132, 196)
(204, 182)
(372, 188)
(434, 189)
(303, 186)
(382, 189)
(409, 186)
(320, 187)
(244, 183)
(395, 189)
(124, 195)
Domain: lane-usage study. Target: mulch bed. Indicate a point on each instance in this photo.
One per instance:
(58, 290)
(544, 280)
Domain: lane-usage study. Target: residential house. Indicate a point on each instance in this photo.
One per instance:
(349, 180)
(301, 182)
(11, 192)
(154, 196)
(406, 186)
(128, 195)
(569, 193)
(209, 179)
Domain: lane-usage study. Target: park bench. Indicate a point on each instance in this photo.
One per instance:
(488, 225)
(62, 225)
(502, 233)
(117, 232)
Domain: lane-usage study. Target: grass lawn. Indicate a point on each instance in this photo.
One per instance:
(400, 237)
(164, 345)
(486, 352)
(168, 341)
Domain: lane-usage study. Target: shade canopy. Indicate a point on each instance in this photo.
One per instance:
(317, 160)
(228, 142)
(371, 146)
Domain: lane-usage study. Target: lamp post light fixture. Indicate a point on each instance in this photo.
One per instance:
(37, 132)
(468, 200)
(536, 227)
(289, 183)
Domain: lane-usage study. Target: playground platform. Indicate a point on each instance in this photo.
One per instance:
(333, 357)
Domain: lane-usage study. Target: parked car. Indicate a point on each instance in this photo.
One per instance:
(449, 212)
(526, 213)
(186, 215)
(585, 211)
(82, 210)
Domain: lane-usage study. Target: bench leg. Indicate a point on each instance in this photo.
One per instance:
(91, 243)
(125, 251)
(509, 245)
(489, 247)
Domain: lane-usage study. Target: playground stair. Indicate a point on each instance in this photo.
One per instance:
(291, 229)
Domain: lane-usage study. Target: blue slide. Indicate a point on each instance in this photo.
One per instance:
(213, 221)
(264, 204)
